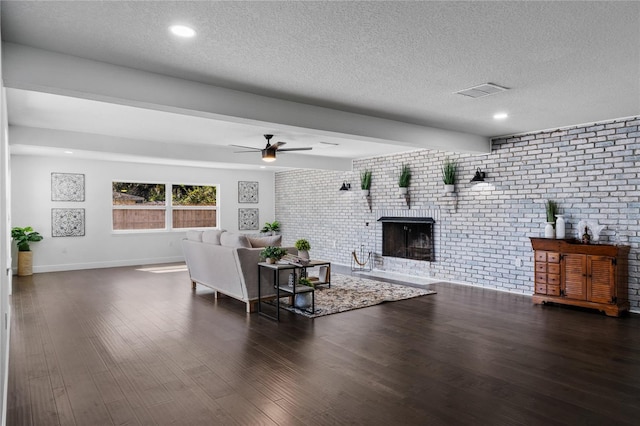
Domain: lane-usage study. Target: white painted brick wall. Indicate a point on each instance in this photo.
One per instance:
(591, 171)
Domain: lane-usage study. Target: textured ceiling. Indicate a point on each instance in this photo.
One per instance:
(564, 62)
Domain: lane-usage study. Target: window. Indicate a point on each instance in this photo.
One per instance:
(139, 206)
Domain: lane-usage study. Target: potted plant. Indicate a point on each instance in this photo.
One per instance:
(303, 247)
(303, 300)
(551, 208)
(22, 237)
(449, 168)
(272, 254)
(271, 228)
(365, 182)
(404, 179)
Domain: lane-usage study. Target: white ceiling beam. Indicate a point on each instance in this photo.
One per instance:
(25, 140)
(44, 71)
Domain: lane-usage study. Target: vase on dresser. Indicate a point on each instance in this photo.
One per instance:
(549, 232)
(560, 226)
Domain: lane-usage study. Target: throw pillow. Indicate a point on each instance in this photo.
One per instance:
(230, 239)
(212, 236)
(273, 240)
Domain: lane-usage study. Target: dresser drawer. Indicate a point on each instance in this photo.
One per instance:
(541, 266)
(553, 290)
(553, 257)
(541, 288)
(553, 268)
(553, 279)
(541, 256)
(541, 278)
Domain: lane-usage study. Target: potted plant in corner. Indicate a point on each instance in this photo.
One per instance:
(449, 168)
(365, 182)
(272, 254)
(271, 228)
(404, 179)
(22, 237)
(303, 247)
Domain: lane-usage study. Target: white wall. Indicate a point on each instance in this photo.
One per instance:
(100, 247)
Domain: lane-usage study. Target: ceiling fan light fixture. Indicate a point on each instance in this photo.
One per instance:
(268, 155)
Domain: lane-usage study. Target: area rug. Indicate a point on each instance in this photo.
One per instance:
(348, 293)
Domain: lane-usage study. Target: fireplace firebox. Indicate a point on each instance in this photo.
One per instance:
(408, 237)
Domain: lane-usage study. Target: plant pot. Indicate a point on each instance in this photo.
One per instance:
(25, 263)
(303, 254)
(449, 189)
(302, 300)
(549, 232)
(365, 192)
(270, 260)
(404, 190)
(560, 226)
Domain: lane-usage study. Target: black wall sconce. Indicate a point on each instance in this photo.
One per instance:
(479, 176)
(345, 186)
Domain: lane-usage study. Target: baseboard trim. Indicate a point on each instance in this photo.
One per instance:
(107, 264)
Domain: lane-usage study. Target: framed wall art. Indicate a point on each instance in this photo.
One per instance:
(67, 187)
(248, 219)
(67, 222)
(248, 192)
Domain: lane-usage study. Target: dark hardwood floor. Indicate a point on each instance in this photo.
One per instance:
(129, 347)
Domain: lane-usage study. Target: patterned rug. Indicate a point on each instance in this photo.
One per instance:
(348, 293)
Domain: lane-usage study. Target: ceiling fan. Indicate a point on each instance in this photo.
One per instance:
(269, 151)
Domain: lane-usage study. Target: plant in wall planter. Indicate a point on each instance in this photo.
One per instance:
(271, 228)
(449, 169)
(303, 247)
(22, 237)
(404, 179)
(365, 182)
(272, 254)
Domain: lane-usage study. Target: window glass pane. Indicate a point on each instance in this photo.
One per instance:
(191, 218)
(138, 219)
(193, 195)
(129, 193)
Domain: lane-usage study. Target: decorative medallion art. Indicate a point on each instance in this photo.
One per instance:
(247, 192)
(67, 222)
(248, 219)
(67, 187)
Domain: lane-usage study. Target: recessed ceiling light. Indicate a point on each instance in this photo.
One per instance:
(500, 116)
(263, 167)
(68, 152)
(182, 31)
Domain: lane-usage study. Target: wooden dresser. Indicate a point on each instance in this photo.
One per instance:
(587, 275)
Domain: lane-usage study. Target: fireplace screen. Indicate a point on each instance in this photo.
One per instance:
(409, 238)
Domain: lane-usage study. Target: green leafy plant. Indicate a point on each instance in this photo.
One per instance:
(365, 180)
(303, 244)
(305, 281)
(552, 209)
(271, 252)
(24, 236)
(271, 227)
(405, 176)
(449, 168)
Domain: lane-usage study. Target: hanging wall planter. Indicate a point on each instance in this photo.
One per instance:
(449, 169)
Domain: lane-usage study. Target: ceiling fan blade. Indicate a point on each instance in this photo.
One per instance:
(295, 149)
(277, 145)
(252, 151)
(247, 147)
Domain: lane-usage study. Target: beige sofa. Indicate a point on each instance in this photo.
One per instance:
(228, 263)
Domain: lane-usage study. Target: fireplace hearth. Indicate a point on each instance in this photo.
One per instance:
(408, 237)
